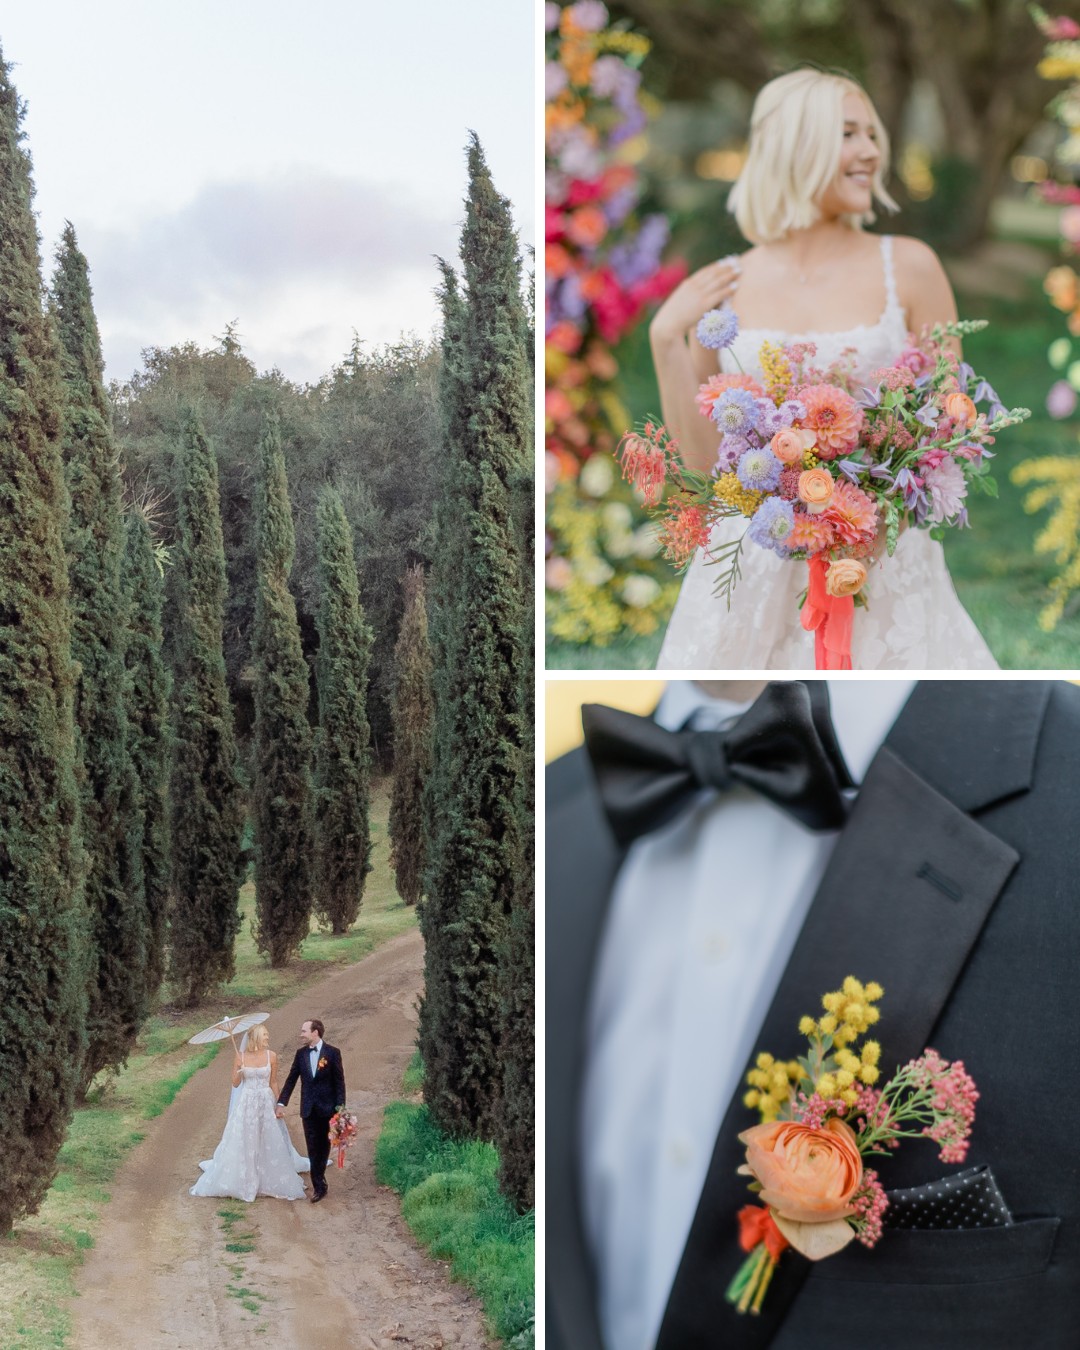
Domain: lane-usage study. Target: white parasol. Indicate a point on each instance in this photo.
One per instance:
(227, 1027)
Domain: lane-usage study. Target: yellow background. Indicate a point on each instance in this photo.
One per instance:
(562, 728)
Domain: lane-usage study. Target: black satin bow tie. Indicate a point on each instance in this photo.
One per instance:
(783, 746)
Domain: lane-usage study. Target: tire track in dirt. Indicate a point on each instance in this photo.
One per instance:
(344, 1272)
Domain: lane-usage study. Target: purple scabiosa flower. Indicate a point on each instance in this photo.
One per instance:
(773, 419)
(591, 15)
(772, 524)
(718, 328)
(759, 469)
(555, 80)
(611, 76)
(634, 122)
(732, 449)
(735, 412)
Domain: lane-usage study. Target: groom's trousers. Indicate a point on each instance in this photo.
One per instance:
(317, 1134)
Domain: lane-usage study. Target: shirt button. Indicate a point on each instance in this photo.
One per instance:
(716, 947)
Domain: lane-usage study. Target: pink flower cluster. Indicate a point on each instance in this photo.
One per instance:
(951, 1094)
(813, 1110)
(868, 1207)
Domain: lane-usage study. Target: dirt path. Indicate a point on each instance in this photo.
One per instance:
(342, 1273)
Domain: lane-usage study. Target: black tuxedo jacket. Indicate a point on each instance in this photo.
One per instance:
(323, 1094)
(956, 885)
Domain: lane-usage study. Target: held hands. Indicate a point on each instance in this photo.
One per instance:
(279, 1111)
(708, 288)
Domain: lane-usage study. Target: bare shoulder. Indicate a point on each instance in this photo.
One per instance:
(924, 288)
(916, 261)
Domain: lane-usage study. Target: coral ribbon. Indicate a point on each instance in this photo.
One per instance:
(756, 1225)
(829, 618)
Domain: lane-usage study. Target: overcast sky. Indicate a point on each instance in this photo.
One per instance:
(291, 166)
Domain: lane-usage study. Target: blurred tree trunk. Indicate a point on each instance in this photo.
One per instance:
(979, 57)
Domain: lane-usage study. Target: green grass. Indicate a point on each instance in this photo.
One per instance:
(998, 576)
(413, 1080)
(39, 1261)
(452, 1203)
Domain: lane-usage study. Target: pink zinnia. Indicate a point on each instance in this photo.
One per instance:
(852, 515)
(716, 385)
(834, 417)
(813, 534)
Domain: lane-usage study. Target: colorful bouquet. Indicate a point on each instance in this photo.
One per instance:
(824, 471)
(820, 1116)
(343, 1131)
(602, 268)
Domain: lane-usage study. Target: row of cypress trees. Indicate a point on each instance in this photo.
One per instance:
(121, 804)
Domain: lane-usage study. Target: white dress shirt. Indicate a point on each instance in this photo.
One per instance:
(703, 918)
(316, 1051)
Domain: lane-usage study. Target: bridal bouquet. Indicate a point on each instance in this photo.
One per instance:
(821, 1115)
(825, 472)
(343, 1132)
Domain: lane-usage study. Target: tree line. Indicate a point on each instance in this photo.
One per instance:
(203, 580)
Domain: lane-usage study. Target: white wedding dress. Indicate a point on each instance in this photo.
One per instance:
(913, 619)
(255, 1156)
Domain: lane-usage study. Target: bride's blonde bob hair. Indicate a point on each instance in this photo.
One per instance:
(258, 1038)
(796, 136)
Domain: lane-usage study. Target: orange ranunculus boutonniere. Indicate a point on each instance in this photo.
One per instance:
(820, 1116)
(321, 1064)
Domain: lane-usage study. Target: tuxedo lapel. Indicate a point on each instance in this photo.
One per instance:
(581, 862)
(906, 893)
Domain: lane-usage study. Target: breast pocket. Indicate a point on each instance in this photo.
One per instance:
(948, 1289)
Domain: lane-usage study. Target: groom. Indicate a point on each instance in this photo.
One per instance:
(696, 920)
(322, 1090)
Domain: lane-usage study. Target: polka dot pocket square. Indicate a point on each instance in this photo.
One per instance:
(968, 1199)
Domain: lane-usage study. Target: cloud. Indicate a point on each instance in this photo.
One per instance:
(301, 259)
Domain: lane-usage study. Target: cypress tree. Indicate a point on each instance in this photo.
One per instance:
(112, 822)
(473, 798)
(343, 847)
(281, 786)
(42, 917)
(147, 694)
(207, 812)
(412, 741)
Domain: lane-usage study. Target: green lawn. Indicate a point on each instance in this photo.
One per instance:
(998, 576)
(38, 1262)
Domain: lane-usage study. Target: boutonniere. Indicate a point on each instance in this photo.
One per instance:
(821, 1115)
(321, 1064)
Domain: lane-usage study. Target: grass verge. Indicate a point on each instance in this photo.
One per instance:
(451, 1201)
(39, 1260)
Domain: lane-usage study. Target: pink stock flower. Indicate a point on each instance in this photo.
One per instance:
(948, 489)
(834, 417)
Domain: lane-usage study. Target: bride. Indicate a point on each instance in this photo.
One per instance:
(818, 155)
(255, 1156)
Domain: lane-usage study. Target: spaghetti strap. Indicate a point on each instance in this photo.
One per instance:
(892, 300)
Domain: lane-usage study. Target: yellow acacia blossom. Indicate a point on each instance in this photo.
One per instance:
(731, 492)
(776, 369)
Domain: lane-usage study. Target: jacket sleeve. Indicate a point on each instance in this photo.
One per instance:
(290, 1082)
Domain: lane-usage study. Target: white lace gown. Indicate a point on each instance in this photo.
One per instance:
(254, 1156)
(913, 620)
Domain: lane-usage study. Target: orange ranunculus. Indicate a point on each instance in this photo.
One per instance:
(788, 446)
(816, 489)
(846, 576)
(959, 407)
(806, 1175)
